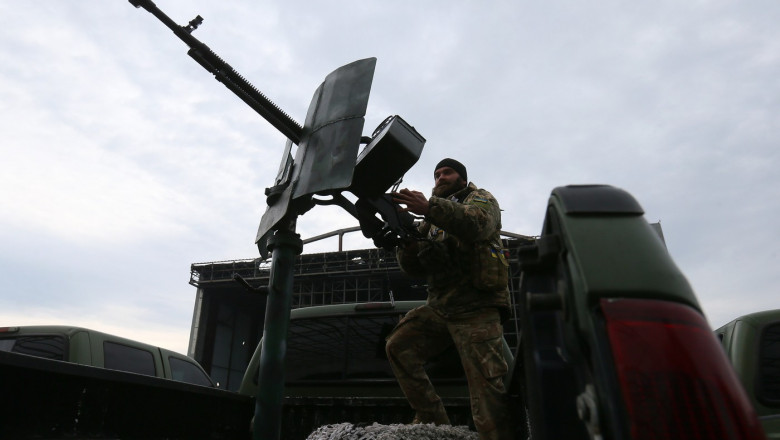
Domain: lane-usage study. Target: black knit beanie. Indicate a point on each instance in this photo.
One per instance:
(455, 165)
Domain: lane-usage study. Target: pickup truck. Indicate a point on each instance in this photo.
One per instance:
(89, 347)
(752, 344)
(614, 346)
(71, 382)
(615, 343)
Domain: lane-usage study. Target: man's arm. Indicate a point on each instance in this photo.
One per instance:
(476, 219)
(408, 259)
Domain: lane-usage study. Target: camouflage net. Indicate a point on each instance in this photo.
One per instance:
(348, 431)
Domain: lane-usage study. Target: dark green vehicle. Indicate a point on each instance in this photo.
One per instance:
(614, 345)
(614, 341)
(83, 346)
(752, 344)
(72, 382)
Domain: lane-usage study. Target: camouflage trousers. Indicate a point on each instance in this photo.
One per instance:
(424, 333)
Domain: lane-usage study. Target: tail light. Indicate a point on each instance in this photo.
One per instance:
(676, 380)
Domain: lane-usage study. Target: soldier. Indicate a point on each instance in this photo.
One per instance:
(468, 298)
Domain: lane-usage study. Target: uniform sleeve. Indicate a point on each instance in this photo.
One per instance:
(476, 219)
(408, 260)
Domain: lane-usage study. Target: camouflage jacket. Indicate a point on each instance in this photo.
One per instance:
(462, 258)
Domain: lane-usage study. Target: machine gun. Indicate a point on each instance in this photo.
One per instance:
(326, 164)
(331, 131)
(224, 73)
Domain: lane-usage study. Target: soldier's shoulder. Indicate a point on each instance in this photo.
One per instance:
(483, 193)
(480, 195)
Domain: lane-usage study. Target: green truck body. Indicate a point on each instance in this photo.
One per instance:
(614, 342)
(84, 346)
(69, 382)
(613, 345)
(752, 344)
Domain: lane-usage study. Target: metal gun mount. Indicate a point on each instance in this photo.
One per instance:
(326, 164)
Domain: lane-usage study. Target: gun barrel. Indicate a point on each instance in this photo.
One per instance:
(226, 75)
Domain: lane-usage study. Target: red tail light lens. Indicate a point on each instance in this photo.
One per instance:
(676, 381)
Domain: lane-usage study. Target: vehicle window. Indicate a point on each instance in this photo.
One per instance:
(316, 349)
(126, 358)
(341, 348)
(365, 353)
(769, 368)
(45, 346)
(184, 371)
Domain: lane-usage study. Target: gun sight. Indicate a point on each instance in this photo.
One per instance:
(194, 23)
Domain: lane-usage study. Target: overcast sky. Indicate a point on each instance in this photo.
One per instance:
(123, 161)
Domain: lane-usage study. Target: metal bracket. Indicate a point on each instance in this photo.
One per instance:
(240, 280)
(588, 411)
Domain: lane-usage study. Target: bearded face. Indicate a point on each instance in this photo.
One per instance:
(447, 182)
(447, 189)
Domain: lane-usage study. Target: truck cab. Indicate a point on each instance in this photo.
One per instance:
(339, 350)
(336, 369)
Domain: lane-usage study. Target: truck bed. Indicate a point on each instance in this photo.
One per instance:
(52, 399)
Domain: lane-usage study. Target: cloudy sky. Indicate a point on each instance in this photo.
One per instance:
(123, 161)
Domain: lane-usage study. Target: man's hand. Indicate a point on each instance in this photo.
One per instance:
(415, 201)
